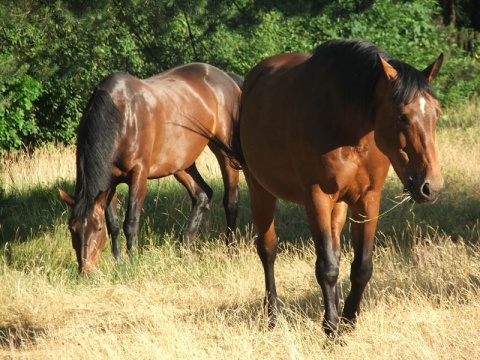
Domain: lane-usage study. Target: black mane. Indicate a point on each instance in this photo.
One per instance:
(96, 140)
(358, 69)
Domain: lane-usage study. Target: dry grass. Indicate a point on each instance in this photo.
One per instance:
(208, 306)
(45, 167)
(423, 301)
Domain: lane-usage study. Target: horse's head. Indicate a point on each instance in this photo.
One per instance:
(405, 119)
(88, 231)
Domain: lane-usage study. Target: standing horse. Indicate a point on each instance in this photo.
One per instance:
(321, 130)
(134, 130)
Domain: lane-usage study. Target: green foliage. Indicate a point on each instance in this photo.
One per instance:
(17, 119)
(69, 46)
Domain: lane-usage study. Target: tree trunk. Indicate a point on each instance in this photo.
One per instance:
(449, 17)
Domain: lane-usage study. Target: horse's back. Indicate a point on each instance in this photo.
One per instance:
(204, 78)
(271, 68)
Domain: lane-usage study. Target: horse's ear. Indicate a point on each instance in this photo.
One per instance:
(432, 70)
(101, 199)
(69, 200)
(384, 85)
(388, 70)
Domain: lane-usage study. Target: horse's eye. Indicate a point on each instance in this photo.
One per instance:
(99, 229)
(404, 119)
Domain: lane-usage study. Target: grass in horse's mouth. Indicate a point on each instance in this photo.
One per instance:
(404, 197)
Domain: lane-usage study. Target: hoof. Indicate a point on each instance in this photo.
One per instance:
(331, 329)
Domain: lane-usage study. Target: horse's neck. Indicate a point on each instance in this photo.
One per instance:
(87, 186)
(350, 124)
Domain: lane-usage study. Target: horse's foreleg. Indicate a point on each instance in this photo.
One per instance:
(363, 232)
(263, 209)
(319, 208)
(136, 196)
(230, 178)
(113, 226)
(339, 216)
(201, 194)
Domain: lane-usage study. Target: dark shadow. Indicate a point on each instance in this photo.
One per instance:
(19, 336)
(232, 312)
(22, 215)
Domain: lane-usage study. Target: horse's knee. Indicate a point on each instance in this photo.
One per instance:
(361, 272)
(327, 270)
(131, 232)
(203, 195)
(201, 201)
(204, 200)
(114, 227)
(230, 201)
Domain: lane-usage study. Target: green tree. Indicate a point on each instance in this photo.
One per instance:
(54, 52)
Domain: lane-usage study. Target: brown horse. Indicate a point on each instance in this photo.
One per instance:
(321, 130)
(134, 130)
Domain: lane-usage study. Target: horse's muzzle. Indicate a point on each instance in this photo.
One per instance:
(423, 192)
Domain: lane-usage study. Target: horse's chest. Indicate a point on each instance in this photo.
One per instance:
(350, 172)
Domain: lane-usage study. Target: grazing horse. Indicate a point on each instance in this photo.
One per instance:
(134, 130)
(321, 130)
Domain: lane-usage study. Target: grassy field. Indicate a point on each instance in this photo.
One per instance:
(423, 301)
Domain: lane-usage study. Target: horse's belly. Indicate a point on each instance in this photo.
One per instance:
(169, 161)
(288, 191)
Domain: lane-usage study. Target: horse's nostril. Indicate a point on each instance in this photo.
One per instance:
(426, 189)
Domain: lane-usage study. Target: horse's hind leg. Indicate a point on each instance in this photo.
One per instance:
(201, 194)
(113, 225)
(230, 178)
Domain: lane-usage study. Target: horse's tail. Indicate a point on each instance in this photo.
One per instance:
(236, 152)
(232, 150)
(97, 135)
(237, 78)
